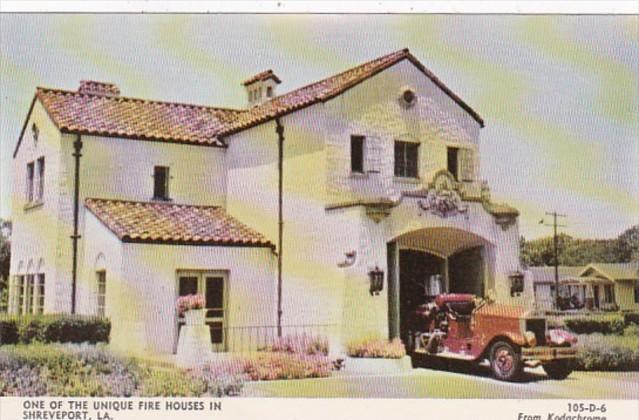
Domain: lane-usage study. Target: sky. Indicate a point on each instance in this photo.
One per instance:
(559, 94)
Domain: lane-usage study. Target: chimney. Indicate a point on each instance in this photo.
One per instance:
(92, 87)
(261, 87)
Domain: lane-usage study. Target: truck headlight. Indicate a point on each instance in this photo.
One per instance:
(530, 338)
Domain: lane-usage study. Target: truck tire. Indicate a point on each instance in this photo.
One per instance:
(559, 369)
(505, 361)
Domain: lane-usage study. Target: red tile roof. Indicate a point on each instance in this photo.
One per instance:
(329, 88)
(110, 115)
(168, 223)
(98, 109)
(260, 77)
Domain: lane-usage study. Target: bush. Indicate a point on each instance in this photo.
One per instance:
(587, 325)
(631, 318)
(377, 348)
(299, 344)
(54, 329)
(609, 352)
(8, 331)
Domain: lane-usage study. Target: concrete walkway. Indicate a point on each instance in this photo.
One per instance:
(463, 382)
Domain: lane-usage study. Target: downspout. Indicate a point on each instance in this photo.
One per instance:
(77, 147)
(279, 129)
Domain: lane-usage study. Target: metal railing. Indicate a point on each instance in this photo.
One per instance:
(242, 339)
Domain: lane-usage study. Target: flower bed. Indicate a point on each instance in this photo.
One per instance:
(272, 366)
(299, 344)
(377, 348)
(84, 370)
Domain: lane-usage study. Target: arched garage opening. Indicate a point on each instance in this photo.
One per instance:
(427, 262)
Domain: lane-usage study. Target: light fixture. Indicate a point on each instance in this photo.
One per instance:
(516, 283)
(376, 277)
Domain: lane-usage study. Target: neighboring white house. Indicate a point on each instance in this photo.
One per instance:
(597, 286)
(122, 204)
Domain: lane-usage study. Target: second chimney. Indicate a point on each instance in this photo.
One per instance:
(261, 87)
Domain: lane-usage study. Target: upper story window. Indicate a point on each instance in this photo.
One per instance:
(357, 154)
(161, 183)
(406, 159)
(453, 155)
(29, 186)
(36, 133)
(461, 163)
(269, 91)
(39, 184)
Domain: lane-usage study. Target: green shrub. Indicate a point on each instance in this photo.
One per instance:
(54, 329)
(171, 383)
(8, 331)
(631, 318)
(377, 348)
(590, 325)
(609, 352)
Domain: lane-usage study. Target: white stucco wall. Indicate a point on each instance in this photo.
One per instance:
(34, 241)
(317, 173)
(148, 323)
(117, 168)
(103, 251)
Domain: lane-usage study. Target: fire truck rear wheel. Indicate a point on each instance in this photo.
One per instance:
(559, 369)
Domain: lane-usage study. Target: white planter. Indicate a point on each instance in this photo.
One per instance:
(195, 317)
(377, 365)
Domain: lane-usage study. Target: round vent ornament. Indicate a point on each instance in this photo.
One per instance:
(408, 97)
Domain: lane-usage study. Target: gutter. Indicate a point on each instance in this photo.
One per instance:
(279, 129)
(77, 148)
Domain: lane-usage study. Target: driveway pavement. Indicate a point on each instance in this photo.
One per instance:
(461, 382)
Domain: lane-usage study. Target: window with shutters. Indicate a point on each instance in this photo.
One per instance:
(461, 163)
(39, 183)
(466, 165)
(29, 185)
(453, 162)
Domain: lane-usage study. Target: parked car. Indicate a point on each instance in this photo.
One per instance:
(464, 327)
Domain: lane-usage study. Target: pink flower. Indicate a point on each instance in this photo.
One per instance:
(188, 302)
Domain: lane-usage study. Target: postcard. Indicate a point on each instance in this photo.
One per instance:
(319, 214)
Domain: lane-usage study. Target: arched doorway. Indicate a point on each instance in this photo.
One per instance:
(427, 262)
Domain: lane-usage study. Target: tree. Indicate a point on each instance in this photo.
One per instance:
(576, 252)
(5, 258)
(629, 244)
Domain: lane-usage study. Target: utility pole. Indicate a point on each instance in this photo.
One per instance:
(555, 241)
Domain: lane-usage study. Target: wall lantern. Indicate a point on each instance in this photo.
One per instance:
(516, 283)
(376, 276)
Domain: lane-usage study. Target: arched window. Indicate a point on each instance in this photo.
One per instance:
(100, 287)
(39, 289)
(26, 297)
